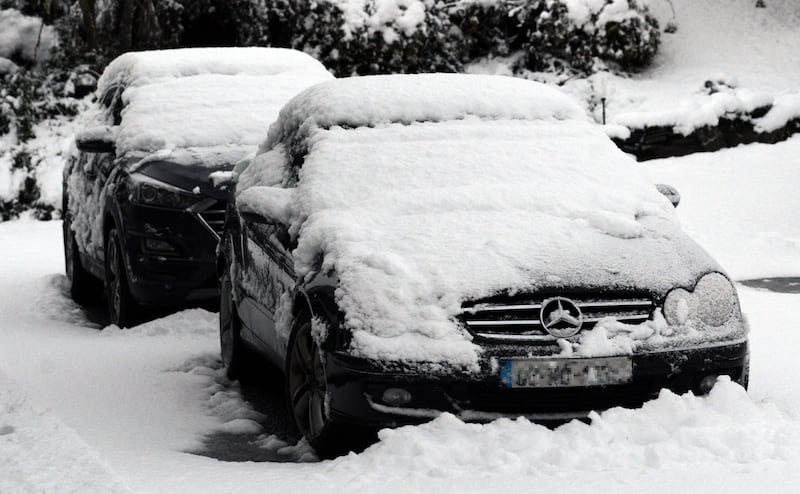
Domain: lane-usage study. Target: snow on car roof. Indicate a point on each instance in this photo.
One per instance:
(143, 67)
(417, 219)
(404, 98)
(204, 98)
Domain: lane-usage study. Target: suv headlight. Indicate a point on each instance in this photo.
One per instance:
(713, 302)
(151, 192)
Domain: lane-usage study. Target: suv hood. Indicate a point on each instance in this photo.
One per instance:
(187, 177)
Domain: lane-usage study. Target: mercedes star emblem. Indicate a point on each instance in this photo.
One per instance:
(561, 317)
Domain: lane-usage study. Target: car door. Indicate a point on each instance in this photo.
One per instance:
(263, 282)
(86, 184)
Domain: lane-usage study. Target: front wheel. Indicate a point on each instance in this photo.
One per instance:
(122, 308)
(307, 398)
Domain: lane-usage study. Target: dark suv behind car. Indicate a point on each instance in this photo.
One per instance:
(142, 215)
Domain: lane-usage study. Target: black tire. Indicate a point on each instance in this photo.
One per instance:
(83, 287)
(306, 390)
(237, 358)
(122, 308)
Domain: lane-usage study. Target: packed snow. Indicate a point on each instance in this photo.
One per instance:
(417, 219)
(37, 450)
(230, 96)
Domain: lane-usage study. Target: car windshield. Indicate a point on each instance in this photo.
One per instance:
(559, 168)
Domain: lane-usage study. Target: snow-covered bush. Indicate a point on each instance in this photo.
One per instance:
(374, 36)
(24, 39)
(559, 34)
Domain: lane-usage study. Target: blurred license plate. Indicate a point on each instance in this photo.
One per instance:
(566, 373)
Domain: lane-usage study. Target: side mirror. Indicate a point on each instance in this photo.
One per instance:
(97, 139)
(670, 193)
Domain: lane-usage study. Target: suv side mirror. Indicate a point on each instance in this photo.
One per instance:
(97, 139)
(670, 193)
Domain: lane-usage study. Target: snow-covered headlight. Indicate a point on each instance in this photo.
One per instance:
(713, 302)
(716, 299)
(678, 307)
(151, 192)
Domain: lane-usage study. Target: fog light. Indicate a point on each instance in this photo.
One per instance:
(707, 383)
(157, 245)
(396, 396)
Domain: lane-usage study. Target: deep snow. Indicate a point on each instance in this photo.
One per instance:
(140, 399)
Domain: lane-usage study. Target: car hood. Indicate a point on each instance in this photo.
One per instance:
(663, 258)
(187, 177)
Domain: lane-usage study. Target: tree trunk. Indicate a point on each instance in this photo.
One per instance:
(126, 25)
(150, 30)
(89, 27)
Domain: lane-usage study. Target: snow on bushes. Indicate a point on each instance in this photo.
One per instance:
(24, 39)
(379, 36)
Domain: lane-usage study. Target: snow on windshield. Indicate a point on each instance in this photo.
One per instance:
(229, 96)
(416, 219)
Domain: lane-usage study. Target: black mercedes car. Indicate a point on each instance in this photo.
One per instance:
(406, 246)
(143, 207)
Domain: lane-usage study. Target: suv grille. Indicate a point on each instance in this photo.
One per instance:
(213, 218)
(520, 321)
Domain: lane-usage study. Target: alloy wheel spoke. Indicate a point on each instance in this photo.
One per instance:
(319, 370)
(316, 413)
(300, 401)
(303, 359)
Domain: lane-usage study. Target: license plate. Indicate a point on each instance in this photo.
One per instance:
(566, 373)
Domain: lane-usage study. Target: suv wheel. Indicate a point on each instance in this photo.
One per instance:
(122, 307)
(83, 287)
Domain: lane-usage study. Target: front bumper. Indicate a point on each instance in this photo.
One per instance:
(356, 388)
(185, 274)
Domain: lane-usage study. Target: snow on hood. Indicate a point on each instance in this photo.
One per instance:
(381, 99)
(416, 219)
(229, 95)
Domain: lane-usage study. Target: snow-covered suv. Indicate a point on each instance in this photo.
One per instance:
(408, 245)
(140, 210)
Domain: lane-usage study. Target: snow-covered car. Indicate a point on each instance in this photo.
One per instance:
(412, 244)
(141, 211)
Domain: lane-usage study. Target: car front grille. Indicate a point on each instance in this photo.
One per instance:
(213, 217)
(521, 322)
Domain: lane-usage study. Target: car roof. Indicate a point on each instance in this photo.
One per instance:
(145, 67)
(407, 98)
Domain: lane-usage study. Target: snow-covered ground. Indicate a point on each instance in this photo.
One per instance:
(89, 410)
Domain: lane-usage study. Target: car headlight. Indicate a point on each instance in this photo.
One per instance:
(151, 192)
(713, 302)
